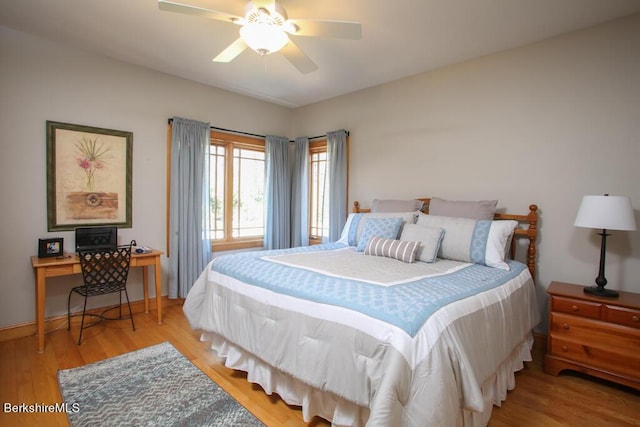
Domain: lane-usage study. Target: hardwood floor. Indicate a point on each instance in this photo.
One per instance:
(27, 377)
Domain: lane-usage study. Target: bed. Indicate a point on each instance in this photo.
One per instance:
(376, 329)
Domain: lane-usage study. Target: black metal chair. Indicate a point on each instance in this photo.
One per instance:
(104, 271)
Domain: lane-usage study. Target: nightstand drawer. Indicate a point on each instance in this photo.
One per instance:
(622, 316)
(576, 328)
(596, 357)
(591, 310)
(595, 332)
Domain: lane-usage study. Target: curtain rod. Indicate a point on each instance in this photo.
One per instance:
(254, 134)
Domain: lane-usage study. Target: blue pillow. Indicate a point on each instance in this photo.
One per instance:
(387, 228)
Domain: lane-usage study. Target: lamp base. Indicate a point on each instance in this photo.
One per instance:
(601, 292)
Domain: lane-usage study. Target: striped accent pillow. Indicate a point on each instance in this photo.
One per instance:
(404, 251)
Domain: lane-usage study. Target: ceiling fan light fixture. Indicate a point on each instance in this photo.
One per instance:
(290, 27)
(265, 28)
(264, 38)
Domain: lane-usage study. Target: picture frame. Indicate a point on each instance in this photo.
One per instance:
(53, 247)
(89, 172)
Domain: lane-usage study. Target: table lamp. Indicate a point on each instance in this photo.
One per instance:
(605, 213)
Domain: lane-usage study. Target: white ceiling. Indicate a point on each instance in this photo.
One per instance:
(399, 38)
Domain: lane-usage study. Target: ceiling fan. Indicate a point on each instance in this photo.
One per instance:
(265, 28)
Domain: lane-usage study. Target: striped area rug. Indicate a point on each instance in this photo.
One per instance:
(154, 386)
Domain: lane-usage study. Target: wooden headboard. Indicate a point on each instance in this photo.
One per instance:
(528, 229)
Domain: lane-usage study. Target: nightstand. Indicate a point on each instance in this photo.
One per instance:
(595, 335)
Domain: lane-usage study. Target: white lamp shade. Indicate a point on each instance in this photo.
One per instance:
(606, 212)
(264, 38)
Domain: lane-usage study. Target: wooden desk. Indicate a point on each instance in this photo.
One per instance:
(52, 267)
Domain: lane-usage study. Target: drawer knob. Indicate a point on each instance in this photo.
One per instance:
(574, 308)
(565, 325)
(635, 318)
(565, 348)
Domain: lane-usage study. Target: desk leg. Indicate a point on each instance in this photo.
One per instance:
(40, 307)
(145, 288)
(158, 290)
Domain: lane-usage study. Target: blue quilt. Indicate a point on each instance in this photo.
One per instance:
(407, 305)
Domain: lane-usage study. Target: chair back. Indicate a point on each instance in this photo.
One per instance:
(105, 269)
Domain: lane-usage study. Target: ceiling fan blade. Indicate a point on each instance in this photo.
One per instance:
(298, 58)
(171, 6)
(233, 50)
(337, 29)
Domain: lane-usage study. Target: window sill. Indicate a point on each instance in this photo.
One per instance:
(315, 241)
(243, 244)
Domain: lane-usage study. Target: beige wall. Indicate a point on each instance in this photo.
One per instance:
(545, 124)
(40, 81)
(542, 124)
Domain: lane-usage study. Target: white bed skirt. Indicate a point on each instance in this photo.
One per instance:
(342, 412)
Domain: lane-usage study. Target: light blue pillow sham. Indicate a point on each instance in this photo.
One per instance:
(387, 228)
(352, 230)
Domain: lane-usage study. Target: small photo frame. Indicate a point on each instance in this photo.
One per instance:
(50, 247)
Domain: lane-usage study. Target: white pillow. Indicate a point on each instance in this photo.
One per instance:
(344, 236)
(469, 240)
(354, 226)
(430, 239)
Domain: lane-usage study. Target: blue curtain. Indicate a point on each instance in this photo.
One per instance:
(337, 178)
(189, 243)
(300, 194)
(277, 193)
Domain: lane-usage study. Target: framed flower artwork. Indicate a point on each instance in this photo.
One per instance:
(88, 176)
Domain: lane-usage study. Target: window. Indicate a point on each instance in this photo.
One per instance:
(319, 190)
(318, 200)
(237, 191)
